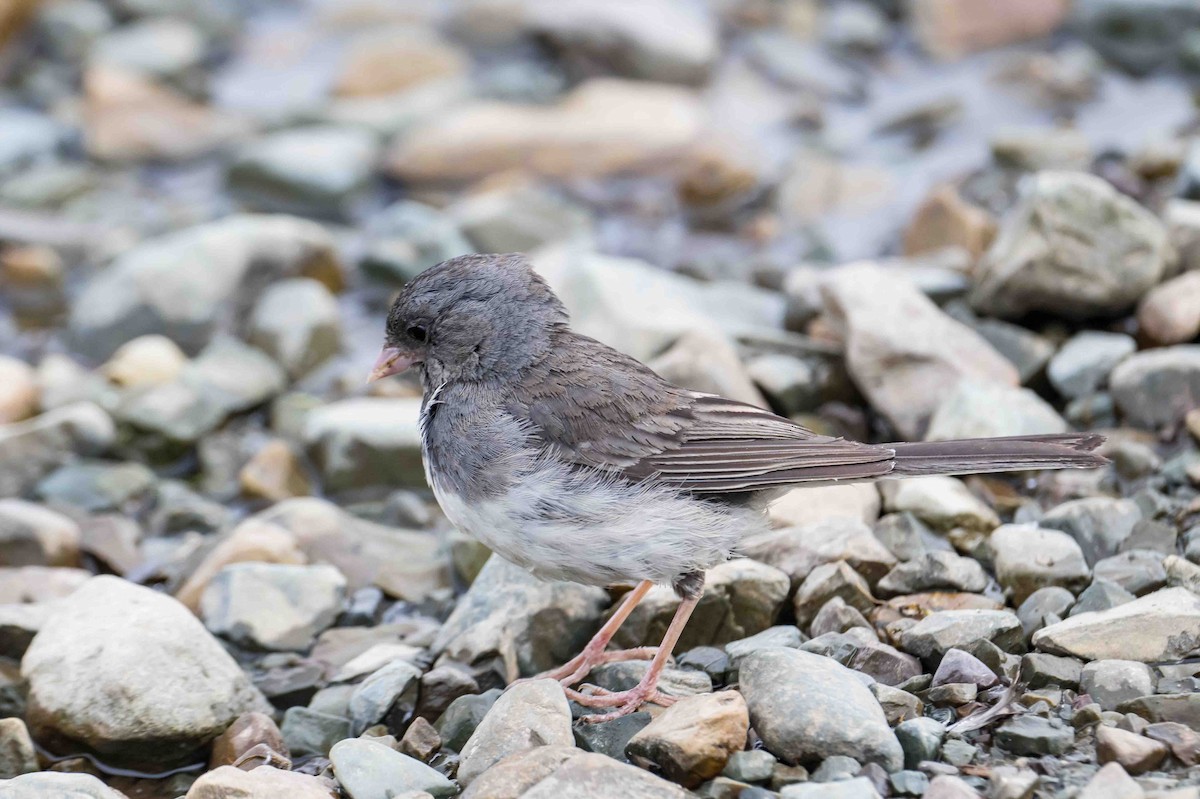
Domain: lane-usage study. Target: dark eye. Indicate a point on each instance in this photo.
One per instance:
(417, 332)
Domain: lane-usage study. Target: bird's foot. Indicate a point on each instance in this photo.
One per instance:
(624, 702)
(582, 664)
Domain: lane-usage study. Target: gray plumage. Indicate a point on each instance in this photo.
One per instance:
(578, 462)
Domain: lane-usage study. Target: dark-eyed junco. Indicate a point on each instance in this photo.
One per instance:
(579, 463)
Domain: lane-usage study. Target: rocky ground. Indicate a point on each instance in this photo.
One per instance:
(221, 574)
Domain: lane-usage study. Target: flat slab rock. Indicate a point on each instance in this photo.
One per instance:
(1164, 625)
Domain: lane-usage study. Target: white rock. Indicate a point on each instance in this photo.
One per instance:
(941, 502)
(273, 606)
(132, 674)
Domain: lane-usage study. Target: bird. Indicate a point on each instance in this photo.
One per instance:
(577, 462)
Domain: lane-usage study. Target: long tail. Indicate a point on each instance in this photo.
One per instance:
(1015, 453)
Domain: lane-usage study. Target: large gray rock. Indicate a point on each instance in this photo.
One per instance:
(1026, 557)
(902, 351)
(528, 624)
(1156, 388)
(273, 605)
(807, 707)
(31, 449)
(1161, 626)
(190, 283)
(800, 549)
(1073, 246)
(527, 715)
(369, 769)
(367, 441)
(133, 675)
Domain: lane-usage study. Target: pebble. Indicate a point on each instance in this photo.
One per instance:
(389, 695)
(1082, 365)
(70, 786)
(857, 788)
(641, 122)
(1111, 683)
(262, 782)
(296, 322)
(34, 535)
(1034, 736)
(1111, 782)
(941, 502)
(273, 606)
(611, 737)
(945, 219)
(691, 741)
(1039, 263)
(1100, 595)
(1145, 386)
(1044, 606)
(112, 638)
(799, 549)
(921, 739)
(939, 632)
(1138, 571)
(974, 409)
(1135, 753)
(752, 765)
(1182, 740)
(366, 441)
(421, 740)
(17, 753)
(391, 59)
(18, 390)
(1057, 560)
(527, 715)
(1168, 313)
(188, 284)
(312, 732)
(275, 473)
(367, 769)
(958, 666)
(805, 707)
(1041, 670)
(522, 218)
(462, 717)
(950, 29)
(248, 731)
(886, 321)
(34, 448)
(569, 773)
(1098, 524)
(1156, 627)
(934, 571)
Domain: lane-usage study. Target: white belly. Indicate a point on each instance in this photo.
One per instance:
(564, 524)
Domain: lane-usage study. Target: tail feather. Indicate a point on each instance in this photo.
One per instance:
(1015, 453)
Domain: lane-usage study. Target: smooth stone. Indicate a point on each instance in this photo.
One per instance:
(462, 717)
(1138, 571)
(178, 687)
(34, 535)
(33, 448)
(958, 666)
(367, 769)
(44, 784)
(610, 737)
(1161, 626)
(311, 732)
(939, 632)
(1056, 560)
(17, 753)
(1032, 736)
(392, 689)
(986, 410)
(19, 392)
(262, 782)
(1039, 262)
(1135, 753)
(1084, 362)
(188, 284)
(273, 606)
(525, 716)
(367, 441)
(250, 730)
(1170, 312)
(568, 773)
(1044, 606)
(507, 610)
(886, 321)
(799, 549)
(933, 571)
(1100, 595)
(1042, 670)
(297, 322)
(1098, 524)
(691, 741)
(1111, 782)
(808, 707)
(1146, 385)
(921, 739)
(941, 502)
(751, 765)
(1111, 683)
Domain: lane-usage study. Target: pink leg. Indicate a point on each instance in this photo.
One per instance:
(593, 654)
(627, 702)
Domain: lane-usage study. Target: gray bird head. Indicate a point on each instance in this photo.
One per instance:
(475, 317)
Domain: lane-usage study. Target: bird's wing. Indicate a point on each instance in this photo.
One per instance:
(598, 408)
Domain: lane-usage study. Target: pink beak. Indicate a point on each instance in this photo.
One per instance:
(391, 361)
